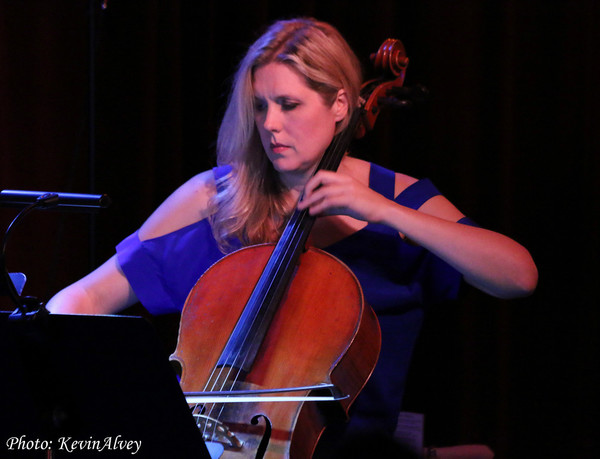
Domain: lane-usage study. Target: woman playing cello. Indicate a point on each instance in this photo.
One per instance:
(297, 87)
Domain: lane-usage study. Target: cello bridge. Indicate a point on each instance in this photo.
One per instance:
(214, 430)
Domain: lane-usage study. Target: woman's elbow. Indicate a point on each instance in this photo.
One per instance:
(522, 281)
(528, 280)
(516, 278)
(70, 300)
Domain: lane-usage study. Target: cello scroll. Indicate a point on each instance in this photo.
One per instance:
(388, 89)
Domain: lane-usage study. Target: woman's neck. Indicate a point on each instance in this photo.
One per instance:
(295, 181)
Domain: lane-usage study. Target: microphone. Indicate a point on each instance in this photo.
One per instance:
(50, 199)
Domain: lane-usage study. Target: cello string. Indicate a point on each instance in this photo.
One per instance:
(235, 364)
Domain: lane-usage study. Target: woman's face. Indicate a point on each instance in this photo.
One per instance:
(294, 122)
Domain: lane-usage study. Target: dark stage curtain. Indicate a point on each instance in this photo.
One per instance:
(126, 101)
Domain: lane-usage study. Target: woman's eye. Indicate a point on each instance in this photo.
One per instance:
(287, 103)
(259, 106)
(287, 106)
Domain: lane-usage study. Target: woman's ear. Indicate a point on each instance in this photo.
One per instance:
(340, 105)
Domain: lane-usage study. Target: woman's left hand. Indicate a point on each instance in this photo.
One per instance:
(333, 193)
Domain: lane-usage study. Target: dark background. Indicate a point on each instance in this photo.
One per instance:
(127, 100)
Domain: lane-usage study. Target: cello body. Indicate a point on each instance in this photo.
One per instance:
(321, 332)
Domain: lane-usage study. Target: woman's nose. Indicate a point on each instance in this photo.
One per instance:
(272, 121)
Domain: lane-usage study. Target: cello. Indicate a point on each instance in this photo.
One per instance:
(285, 341)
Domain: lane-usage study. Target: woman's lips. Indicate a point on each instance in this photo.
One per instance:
(278, 148)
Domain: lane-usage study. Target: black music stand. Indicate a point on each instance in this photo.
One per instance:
(89, 379)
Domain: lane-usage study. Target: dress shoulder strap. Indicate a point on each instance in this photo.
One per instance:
(382, 180)
(415, 195)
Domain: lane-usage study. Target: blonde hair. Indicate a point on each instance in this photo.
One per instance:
(250, 204)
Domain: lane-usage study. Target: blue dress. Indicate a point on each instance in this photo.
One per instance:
(399, 280)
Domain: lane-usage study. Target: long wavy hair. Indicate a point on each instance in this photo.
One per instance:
(250, 203)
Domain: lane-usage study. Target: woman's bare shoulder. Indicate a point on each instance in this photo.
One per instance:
(403, 181)
(189, 204)
(356, 168)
